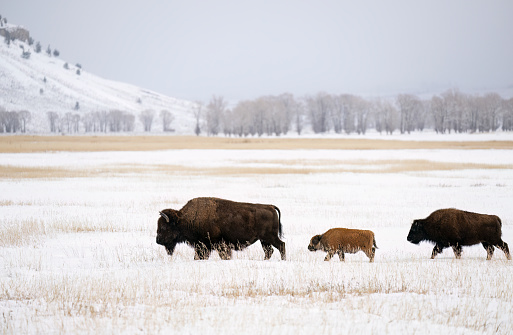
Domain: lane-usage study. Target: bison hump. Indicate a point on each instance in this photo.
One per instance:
(199, 211)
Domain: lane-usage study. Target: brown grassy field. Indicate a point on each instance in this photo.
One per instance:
(18, 144)
(282, 167)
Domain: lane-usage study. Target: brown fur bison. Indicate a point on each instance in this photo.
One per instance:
(209, 224)
(456, 228)
(341, 240)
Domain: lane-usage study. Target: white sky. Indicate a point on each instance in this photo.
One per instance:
(244, 49)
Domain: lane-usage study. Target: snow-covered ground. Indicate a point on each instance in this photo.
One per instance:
(78, 253)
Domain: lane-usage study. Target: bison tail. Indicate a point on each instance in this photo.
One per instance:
(280, 229)
(374, 243)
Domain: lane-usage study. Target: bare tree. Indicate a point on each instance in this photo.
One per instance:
(299, 117)
(288, 110)
(386, 117)
(215, 110)
(167, 118)
(89, 123)
(491, 108)
(338, 113)
(456, 110)
(409, 106)
(70, 122)
(67, 122)
(362, 108)
(507, 115)
(127, 122)
(115, 120)
(24, 117)
(197, 110)
(241, 119)
(53, 118)
(2, 118)
(227, 122)
(319, 110)
(146, 118)
(439, 112)
(348, 115)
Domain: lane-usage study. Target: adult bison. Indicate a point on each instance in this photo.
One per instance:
(456, 228)
(341, 240)
(209, 224)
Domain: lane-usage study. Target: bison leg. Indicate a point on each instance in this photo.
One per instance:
(371, 254)
(457, 251)
(489, 250)
(437, 250)
(504, 247)
(341, 255)
(201, 252)
(268, 250)
(281, 248)
(329, 255)
(278, 244)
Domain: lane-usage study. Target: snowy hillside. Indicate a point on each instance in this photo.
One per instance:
(41, 83)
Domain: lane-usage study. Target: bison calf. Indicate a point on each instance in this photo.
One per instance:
(209, 224)
(341, 240)
(456, 228)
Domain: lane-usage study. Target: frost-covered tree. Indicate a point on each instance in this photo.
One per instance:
(53, 119)
(439, 113)
(319, 110)
(386, 117)
(299, 117)
(214, 114)
(146, 118)
(507, 115)
(409, 106)
(24, 117)
(167, 118)
(197, 110)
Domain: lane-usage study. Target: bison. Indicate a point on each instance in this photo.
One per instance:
(456, 228)
(341, 240)
(209, 224)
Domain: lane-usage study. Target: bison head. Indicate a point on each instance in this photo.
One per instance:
(168, 233)
(417, 232)
(315, 243)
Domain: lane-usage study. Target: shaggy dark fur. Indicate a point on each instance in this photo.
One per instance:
(456, 228)
(341, 240)
(209, 224)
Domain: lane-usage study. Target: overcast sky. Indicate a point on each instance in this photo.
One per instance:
(245, 49)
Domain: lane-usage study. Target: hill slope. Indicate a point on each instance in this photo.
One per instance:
(41, 83)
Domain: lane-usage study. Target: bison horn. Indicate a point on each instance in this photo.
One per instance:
(164, 216)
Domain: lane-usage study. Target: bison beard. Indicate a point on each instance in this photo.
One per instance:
(456, 228)
(209, 224)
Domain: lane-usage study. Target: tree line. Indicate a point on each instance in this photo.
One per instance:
(450, 111)
(92, 122)
(14, 121)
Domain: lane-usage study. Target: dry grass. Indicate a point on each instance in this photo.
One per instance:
(279, 167)
(13, 144)
(21, 232)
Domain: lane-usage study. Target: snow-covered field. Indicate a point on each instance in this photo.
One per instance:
(78, 251)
